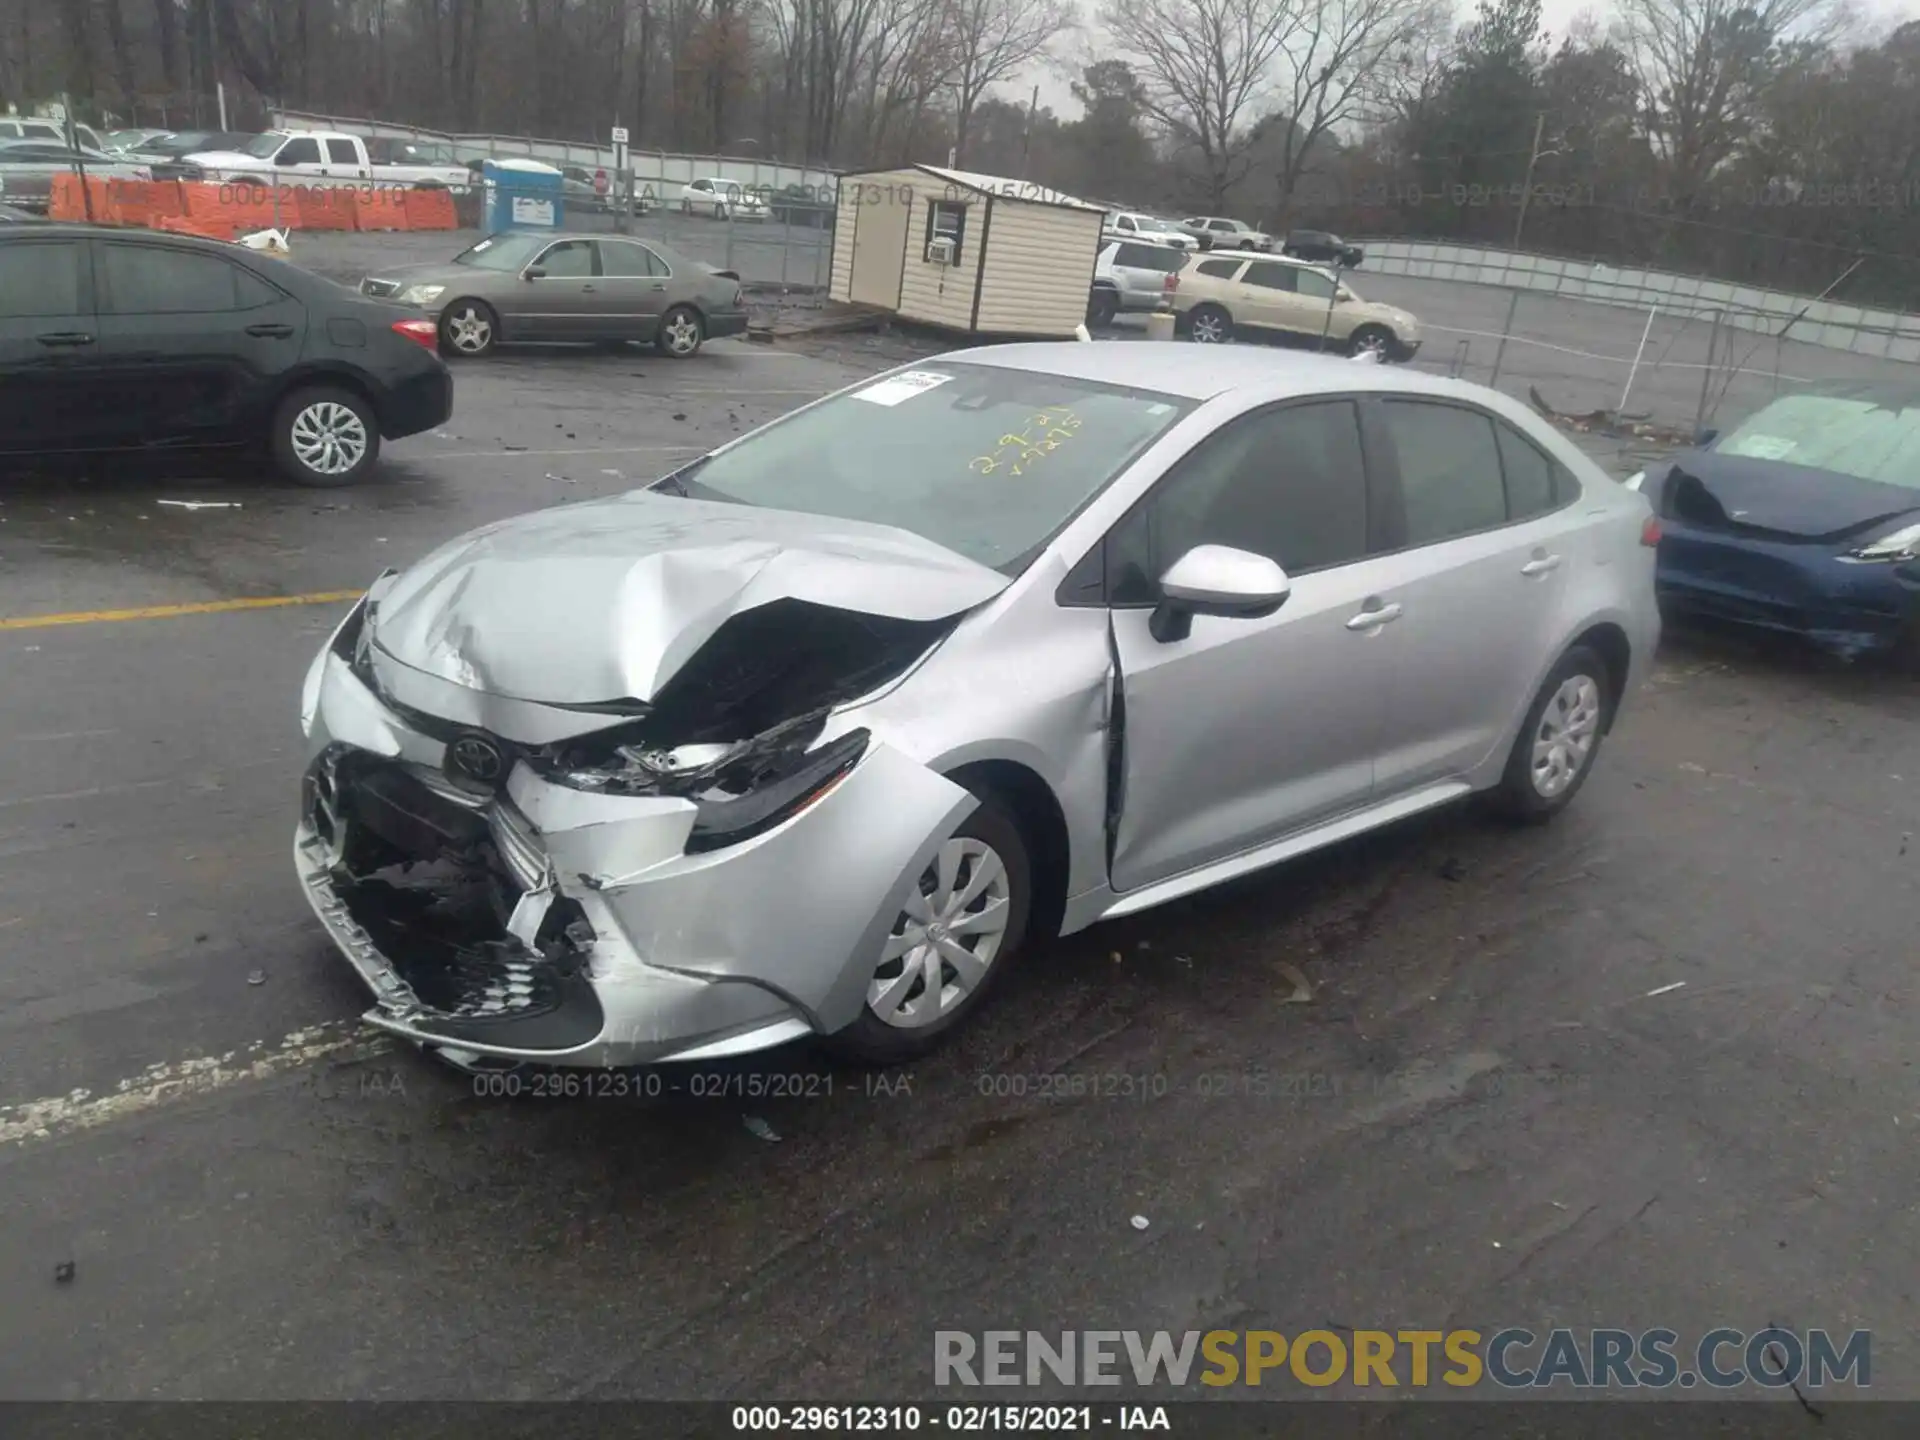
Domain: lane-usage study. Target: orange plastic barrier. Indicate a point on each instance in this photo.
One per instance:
(208, 229)
(243, 204)
(143, 202)
(431, 210)
(380, 209)
(322, 207)
(68, 201)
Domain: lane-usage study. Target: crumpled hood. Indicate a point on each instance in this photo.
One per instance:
(1702, 486)
(605, 601)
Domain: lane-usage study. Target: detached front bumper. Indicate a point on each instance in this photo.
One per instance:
(591, 936)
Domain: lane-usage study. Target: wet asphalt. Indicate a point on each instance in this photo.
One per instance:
(1475, 1113)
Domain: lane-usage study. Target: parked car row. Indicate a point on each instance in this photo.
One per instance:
(1215, 297)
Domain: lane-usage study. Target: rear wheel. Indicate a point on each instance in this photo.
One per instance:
(960, 925)
(681, 332)
(469, 328)
(1375, 340)
(1210, 325)
(1102, 308)
(324, 437)
(1555, 750)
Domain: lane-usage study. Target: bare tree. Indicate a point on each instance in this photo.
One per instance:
(1702, 65)
(994, 40)
(1203, 66)
(1338, 56)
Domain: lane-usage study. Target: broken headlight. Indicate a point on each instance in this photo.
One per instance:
(1901, 544)
(722, 819)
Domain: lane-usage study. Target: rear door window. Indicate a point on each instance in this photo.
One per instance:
(41, 277)
(1532, 487)
(1449, 470)
(341, 152)
(631, 260)
(1270, 277)
(153, 280)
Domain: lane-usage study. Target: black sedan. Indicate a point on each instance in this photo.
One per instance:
(116, 340)
(1323, 249)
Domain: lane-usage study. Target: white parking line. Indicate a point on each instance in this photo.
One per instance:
(174, 1080)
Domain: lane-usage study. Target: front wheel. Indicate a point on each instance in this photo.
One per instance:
(681, 332)
(468, 328)
(1556, 747)
(960, 925)
(1210, 325)
(324, 437)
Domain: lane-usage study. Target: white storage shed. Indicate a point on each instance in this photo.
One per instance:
(965, 252)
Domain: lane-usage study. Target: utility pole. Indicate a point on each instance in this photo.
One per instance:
(1526, 190)
(1026, 140)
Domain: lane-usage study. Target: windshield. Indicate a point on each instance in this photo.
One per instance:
(502, 252)
(264, 147)
(1867, 439)
(987, 462)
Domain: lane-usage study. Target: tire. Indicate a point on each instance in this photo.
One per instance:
(686, 207)
(1577, 695)
(324, 437)
(721, 212)
(918, 1027)
(1209, 325)
(469, 329)
(673, 341)
(1375, 338)
(1102, 307)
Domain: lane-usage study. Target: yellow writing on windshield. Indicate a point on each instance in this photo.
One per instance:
(1043, 433)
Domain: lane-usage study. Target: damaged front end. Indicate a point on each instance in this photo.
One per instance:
(615, 883)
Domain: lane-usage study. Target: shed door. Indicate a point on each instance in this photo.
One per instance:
(880, 245)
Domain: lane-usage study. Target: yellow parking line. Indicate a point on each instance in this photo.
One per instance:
(168, 612)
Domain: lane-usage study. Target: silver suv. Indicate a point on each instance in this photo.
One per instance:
(1130, 276)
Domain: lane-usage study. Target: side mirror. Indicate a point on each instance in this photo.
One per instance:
(1216, 580)
(1706, 437)
(535, 272)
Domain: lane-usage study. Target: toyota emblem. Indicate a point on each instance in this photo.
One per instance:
(477, 758)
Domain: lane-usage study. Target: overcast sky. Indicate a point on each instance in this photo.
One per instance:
(1558, 15)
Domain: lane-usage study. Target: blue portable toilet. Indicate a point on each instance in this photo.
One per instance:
(521, 195)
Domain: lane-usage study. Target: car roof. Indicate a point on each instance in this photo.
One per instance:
(1265, 259)
(1200, 372)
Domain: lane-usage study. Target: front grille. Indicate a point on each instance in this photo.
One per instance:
(379, 289)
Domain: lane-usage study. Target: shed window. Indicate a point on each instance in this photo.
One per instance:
(945, 218)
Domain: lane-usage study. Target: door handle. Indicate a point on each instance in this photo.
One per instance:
(271, 332)
(1540, 565)
(658, 285)
(65, 337)
(1374, 616)
(586, 289)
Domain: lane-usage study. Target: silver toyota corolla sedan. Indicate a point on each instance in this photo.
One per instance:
(815, 735)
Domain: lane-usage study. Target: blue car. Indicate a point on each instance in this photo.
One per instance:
(1804, 519)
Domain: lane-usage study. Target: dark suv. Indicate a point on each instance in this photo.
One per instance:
(1323, 248)
(121, 340)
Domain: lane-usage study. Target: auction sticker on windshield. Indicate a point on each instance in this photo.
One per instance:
(904, 386)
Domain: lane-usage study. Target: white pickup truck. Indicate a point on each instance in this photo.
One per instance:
(320, 157)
